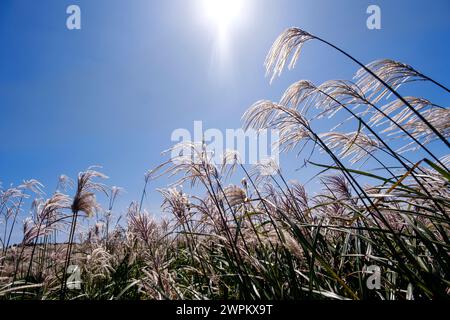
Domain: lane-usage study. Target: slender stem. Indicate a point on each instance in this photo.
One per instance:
(68, 254)
(433, 81)
(143, 194)
(392, 152)
(13, 225)
(418, 114)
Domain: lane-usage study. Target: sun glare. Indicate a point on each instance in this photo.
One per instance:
(223, 12)
(223, 18)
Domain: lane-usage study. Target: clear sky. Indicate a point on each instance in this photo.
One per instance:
(112, 93)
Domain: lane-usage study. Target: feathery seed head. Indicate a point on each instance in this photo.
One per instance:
(290, 42)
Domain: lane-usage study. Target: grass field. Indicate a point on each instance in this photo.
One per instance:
(379, 228)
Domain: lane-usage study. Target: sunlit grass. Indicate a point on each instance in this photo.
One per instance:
(267, 238)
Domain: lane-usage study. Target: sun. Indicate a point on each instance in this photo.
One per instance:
(223, 12)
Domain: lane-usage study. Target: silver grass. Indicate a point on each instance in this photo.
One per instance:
(33, 185)
(231, 159)
(386, 76)
(445, 160)
(64, 183)
(290, 123)
(99, 263)
(235, 195)
(339, 185)
(296, 245)
(403, 116)
(115, 192)
(84, 199)
(30, 231)
(194, 166)
(141, 225)
(299, 93)
(265, 169)
(330, 209)
(9, 196)
(51, 209)
(399, 112)
(437, 116)
(288, 44)
(293, 246)
(8, 213)
(353, 145)
(392, 72)
(300, 196)
(335, 94)
(94, 233)
(175, 202)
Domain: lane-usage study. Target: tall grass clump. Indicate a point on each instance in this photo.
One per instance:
(380, 159)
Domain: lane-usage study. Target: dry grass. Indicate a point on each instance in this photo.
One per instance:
(266, 238)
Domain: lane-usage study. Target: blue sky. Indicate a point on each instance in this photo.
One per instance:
(111, 93)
